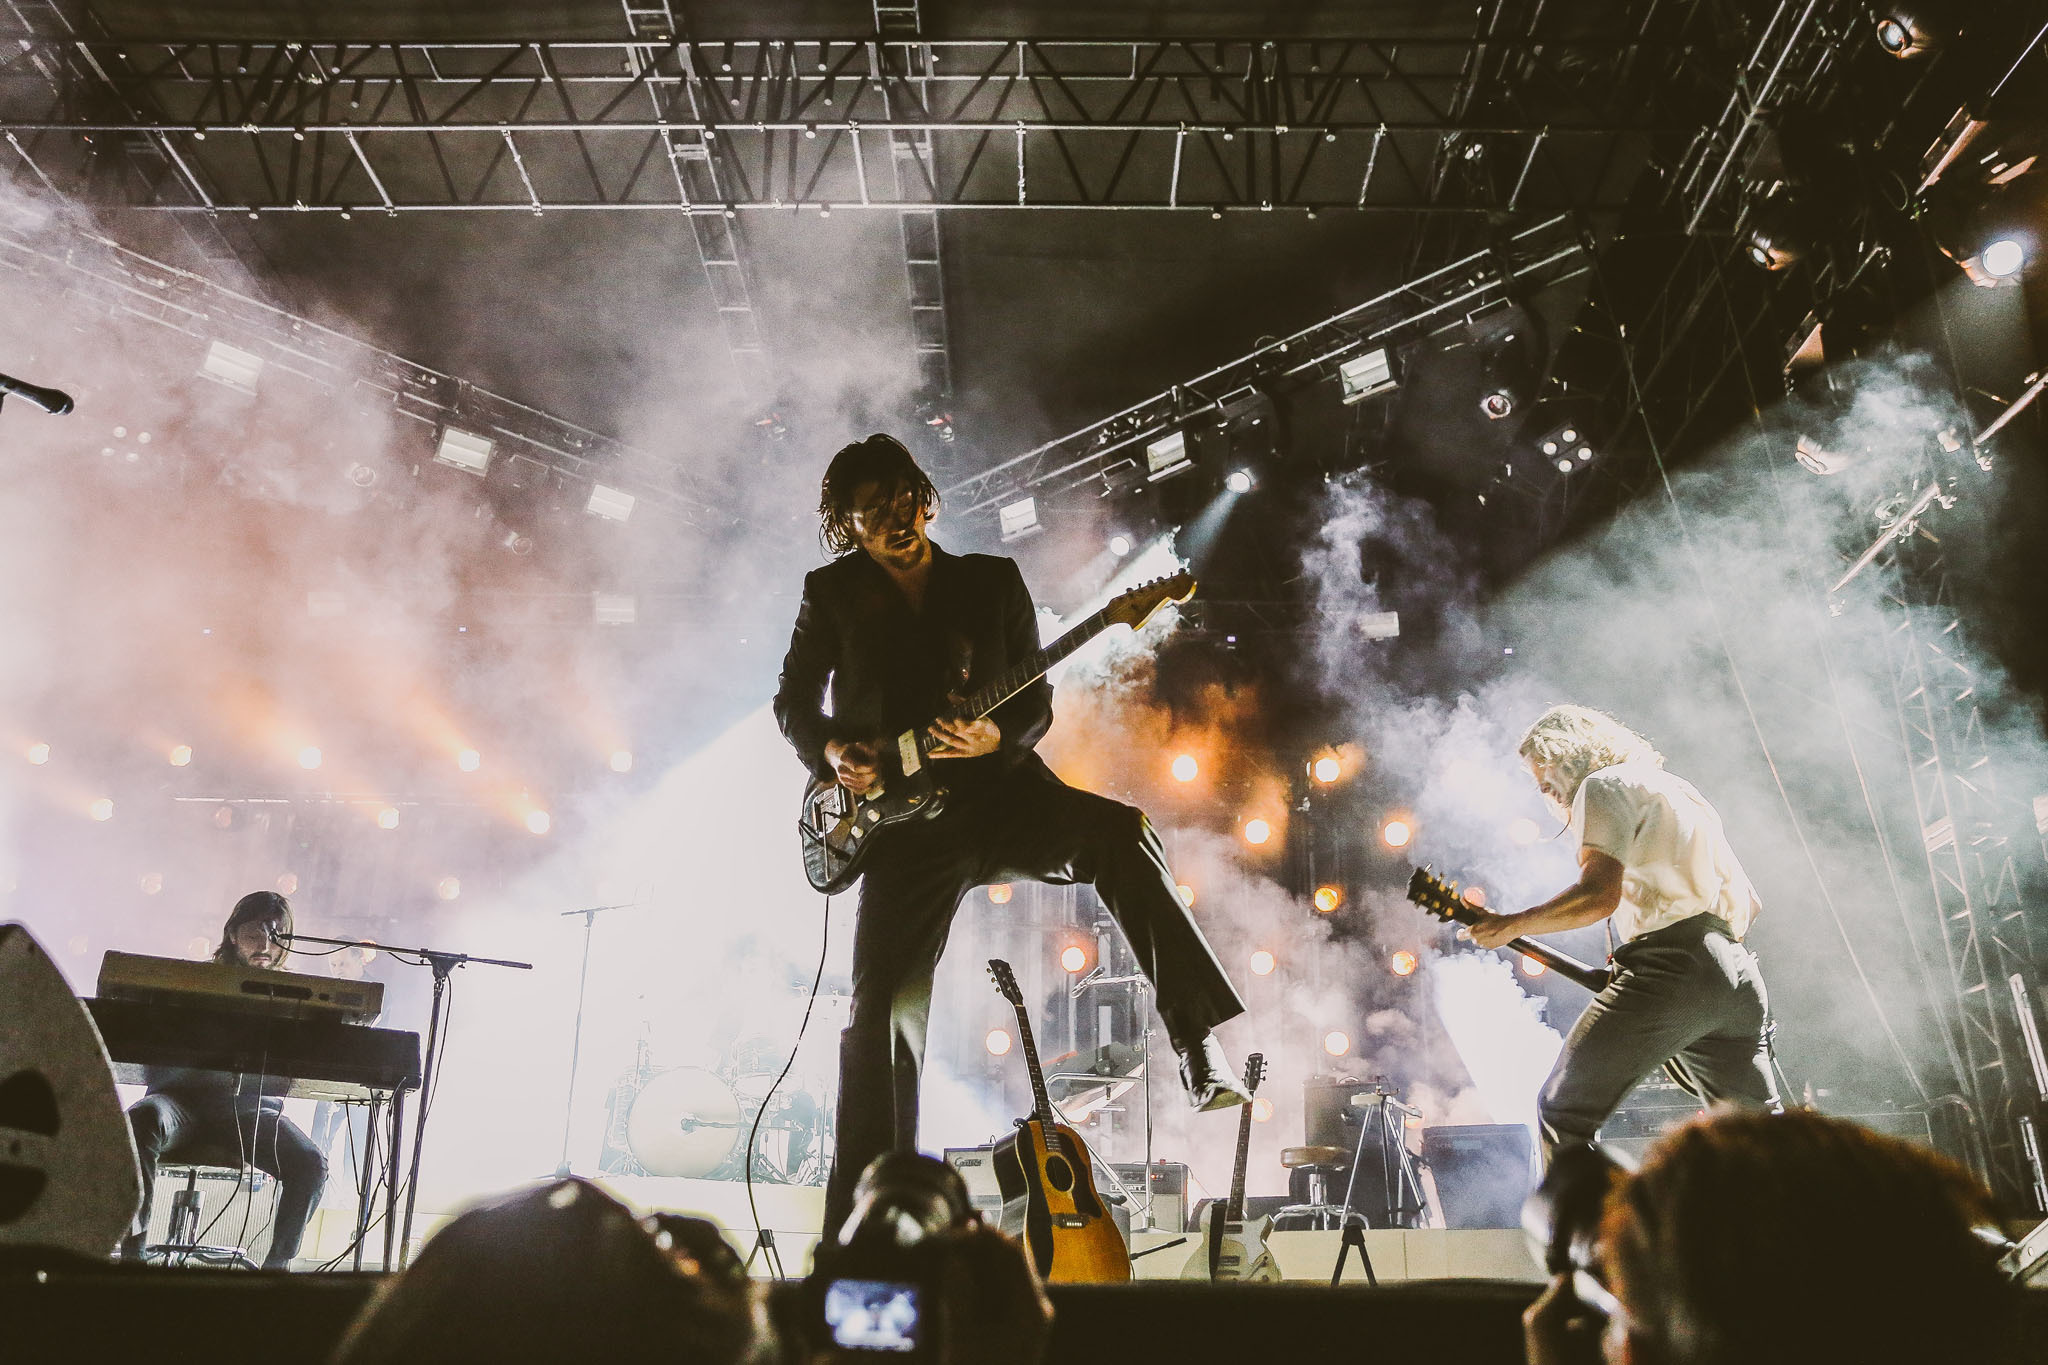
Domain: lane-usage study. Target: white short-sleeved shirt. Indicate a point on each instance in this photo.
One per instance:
(1674, 854)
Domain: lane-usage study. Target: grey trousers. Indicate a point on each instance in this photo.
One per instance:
(1687, 994)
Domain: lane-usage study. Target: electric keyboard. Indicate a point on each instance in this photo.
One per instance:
(258, 990)
(151, 1041)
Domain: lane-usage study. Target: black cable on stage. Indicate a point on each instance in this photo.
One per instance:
(762, 1241)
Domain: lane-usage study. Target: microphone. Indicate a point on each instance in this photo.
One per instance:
(56, 402)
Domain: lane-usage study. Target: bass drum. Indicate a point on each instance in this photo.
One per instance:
(685, 1122)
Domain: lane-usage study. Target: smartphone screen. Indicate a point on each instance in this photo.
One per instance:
(873, 1315)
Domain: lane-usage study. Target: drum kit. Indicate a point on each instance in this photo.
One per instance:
(695, 1122)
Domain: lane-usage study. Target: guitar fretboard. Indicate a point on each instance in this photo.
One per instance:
(1025, 672)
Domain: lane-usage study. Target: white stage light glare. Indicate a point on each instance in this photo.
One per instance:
(309, 757)
(2002, 258)
(1119, 545)
(1185, 768)
(622, 760)
(1257, 831)
(469, 760)
(180, 755)
(1262, 963)
(1336, 1042)
(102, 808)
(538, 821)
(998, 1042)
(1239, 481)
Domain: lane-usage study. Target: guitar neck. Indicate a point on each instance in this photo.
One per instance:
(1564, 964)
(1041, 1103)
(1233, 1212)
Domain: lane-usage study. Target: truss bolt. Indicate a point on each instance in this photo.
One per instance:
(1266, 206)
(199, 134)
(252, 213)
(1229, 136)
(810, 130)
(298, 134)
(345, 215)
(1329, 137)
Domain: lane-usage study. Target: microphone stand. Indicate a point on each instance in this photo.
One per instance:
(443, 964)
(590, 915)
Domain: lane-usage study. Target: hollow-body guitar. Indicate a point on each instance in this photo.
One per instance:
(837, 828)
(1441, 898)
(1234, 1247)
(1048, 1182)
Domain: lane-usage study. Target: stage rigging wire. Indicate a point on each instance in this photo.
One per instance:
(1742, 691)
(1848, 735)
(764, 1243)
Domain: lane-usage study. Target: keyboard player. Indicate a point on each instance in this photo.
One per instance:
(214, 1112)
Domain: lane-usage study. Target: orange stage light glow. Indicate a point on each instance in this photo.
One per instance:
(469, 760)
(387, 818)
(180, 755)
(1187, 895)
(1185, 769)
(309, 757)
(37, 753)
(1262, 963)
(1403, 963)
(538, 821)
(1257, 831)
(1336, 1042)
(1262, 1110)
(1074, 957)
(998, 1042)
(1327, 769)
(101, 809)
(999, 894)
(1328, 898)
(1397, 832)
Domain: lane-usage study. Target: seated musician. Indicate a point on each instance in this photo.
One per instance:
(217, 1114)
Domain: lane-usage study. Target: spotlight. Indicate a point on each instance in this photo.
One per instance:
(309, 757)
(1336, 1042)
(448, 888)
(538, 821)
(1262, 963)
(1238, 481)
(622, 760)
(999, 894)
(1185, 769)
(1327, 769)
(1532, 967)
(610, 503)
(1019, 519)
(101, 809)
(1906, 31)
(469, 760)
(1187, 895)
(1074, 957)
(180, 755)
(1119, 545)
(1262, 1110)
(1523, 831)
(2002, 259)
(1257, 831)
(387, 818)
(1565, 466)
(1167, 456)
(1396, 833)
(1564, 443)
(464, 450)
(39, 754)
(1328, 898)
(998, 1042)
(1403, 963)
(1364, 376)
(1775, 238)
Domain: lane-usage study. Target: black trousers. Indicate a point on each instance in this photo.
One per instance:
(1687, 994)
(1026, 825)
(212, 1128)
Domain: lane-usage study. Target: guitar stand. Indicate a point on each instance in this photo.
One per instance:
(1354, 1236)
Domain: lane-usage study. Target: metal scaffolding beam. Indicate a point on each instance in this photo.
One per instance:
(698, 166)
(914, 162)
(1011, 124)
(1110, 452)
(128, 287)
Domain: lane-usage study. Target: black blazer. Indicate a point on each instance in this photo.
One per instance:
(889, 669)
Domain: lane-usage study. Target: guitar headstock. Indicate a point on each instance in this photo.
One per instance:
(1006, 981)
(1254, 1072)
(1135, 608)
(1438, 897)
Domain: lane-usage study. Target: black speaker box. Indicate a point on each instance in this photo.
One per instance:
(1482, 1171)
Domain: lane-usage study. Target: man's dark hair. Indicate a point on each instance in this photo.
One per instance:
(880, 459)
(257, 905)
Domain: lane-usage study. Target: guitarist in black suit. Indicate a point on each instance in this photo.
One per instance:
(894, 627)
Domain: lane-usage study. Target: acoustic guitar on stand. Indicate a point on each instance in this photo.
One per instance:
(837, 828)
(1048, 1181)
(1234, 1248)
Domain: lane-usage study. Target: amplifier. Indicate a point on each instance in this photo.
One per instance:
(976, 1169)
(1482, 1172)
(1169, 1190)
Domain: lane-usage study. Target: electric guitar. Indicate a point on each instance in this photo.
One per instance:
(1441, 898)
(1048, 1182)
(836, 827)
(1234, 1247)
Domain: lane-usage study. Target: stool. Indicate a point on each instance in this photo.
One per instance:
(1320, 1165)
(184, 1245)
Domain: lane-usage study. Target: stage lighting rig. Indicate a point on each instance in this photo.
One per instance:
(1167, 456)
(464, 450)
(1776, 235)
(610, 503)
(1366, 375)
(1910, 30)
(1019, 519)
(232, 366)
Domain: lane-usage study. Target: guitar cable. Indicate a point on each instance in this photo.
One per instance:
(764, 1242)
